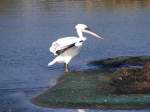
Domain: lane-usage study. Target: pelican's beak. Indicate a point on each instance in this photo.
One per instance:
(87, 30)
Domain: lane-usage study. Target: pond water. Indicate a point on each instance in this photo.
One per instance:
(28, 27)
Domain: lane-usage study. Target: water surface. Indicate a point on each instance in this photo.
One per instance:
(27, 28)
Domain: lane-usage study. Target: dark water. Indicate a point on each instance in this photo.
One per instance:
(27, 27)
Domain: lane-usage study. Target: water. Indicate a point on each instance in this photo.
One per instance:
(27, 28)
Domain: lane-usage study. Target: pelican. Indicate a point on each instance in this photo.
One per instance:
(65, 49)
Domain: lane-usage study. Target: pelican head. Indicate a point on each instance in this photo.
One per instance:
(84, 28)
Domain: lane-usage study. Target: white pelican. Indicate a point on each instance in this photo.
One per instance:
(68, 47)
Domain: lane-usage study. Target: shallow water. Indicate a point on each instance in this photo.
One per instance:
(27, 28)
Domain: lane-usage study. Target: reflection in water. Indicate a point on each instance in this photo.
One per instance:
(49, 5)
(117, 4)
(81, 110)
(125, 4)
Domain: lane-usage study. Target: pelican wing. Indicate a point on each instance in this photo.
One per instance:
(60, 45)
(63, 50)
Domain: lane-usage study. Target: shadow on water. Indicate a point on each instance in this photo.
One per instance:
(27, 27)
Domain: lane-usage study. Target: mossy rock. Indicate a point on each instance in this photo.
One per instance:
(132, 81)
(98, 89)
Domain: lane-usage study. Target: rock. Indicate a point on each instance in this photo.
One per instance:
(132, 81)
(126, 87)
(121, 61)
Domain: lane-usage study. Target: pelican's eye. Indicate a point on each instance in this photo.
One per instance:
(87, 28)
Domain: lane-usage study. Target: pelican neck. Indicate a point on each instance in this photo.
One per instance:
(80, 34)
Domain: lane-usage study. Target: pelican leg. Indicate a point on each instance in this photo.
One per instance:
(66, 67)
